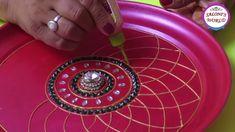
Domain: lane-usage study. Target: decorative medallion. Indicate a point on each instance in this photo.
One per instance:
(93, 85)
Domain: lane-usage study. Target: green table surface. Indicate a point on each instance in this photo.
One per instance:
(225, 121)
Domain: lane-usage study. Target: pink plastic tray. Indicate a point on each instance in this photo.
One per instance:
(178, 78)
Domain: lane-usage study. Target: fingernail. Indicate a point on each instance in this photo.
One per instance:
(108, 28)
(166, 2)
(107, 7)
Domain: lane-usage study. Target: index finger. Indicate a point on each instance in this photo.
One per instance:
(101, 15)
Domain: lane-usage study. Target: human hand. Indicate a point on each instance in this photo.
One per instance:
(78, 17)
(190, 8)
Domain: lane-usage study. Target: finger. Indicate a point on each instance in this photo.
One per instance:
(204, 3)
(41, 32)
(75, 12)
(173, 4)
(187, 10)
(105, 4)
(69, 30)
(53, 40)
(66, 28)
(198, 18)
(101, 16)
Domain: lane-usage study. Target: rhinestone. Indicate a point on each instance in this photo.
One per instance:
(86, 65)
(103, 110)
(126, 101)
(68, 95)
(115, 107)
(84, 103)
(107, 66)
(120, 105)
(93, 94)
(62, 82)
(106, 90)
(108, 109)
(120, 77)
(116, 70)
(129, 98)
(83, 94)
(78, 111)
(98, 64)
(65, 76)
(60, 69)
(116, 92)
(97, 111)
(61, 105)
(66, 64)
(71, 109)
(63, 66)
(86, 94)
(62, 90)
(98, 102)
(73, 68)
(92, 76)
(90, 112)
(121, 84)
(84, 112)
(74, 100)
(110, 98)
(92, 81)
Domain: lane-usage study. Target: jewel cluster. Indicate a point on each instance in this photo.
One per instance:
(112, 107)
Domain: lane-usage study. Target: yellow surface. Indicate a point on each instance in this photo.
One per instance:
(1, 22)
(152, 2)
(226, 120)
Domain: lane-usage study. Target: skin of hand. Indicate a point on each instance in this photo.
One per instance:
(192, 9)
(78, 18)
